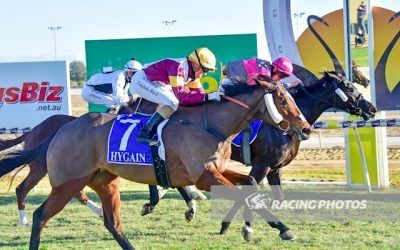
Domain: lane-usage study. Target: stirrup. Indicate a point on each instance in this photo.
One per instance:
(146, 138)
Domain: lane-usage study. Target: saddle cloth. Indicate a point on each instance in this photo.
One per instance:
(255, 127)
(122, 145)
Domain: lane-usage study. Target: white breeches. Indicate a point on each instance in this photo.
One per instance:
(156, 92)
(91, 95)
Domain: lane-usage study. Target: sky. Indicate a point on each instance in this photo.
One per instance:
(24, 33)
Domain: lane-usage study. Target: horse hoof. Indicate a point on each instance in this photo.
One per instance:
(189, 214)
(224, 227)
(247, 233)
(287, 235)
(147, 208)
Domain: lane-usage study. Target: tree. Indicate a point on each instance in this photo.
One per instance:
(77, 72)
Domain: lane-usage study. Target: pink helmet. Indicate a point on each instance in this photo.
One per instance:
(283, 65)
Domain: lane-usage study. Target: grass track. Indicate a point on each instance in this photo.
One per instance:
(76, 228)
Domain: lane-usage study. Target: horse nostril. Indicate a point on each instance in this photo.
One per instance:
(372, 110)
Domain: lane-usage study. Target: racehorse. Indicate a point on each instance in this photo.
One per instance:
(272, 149)
(202, 163)
(38, 169)
(358, 75)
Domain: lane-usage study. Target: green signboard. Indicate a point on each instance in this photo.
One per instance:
(115, 53)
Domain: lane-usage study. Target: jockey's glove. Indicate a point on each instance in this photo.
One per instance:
(215, 96)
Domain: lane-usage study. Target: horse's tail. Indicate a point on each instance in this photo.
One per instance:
(15, 159)
(7, 143)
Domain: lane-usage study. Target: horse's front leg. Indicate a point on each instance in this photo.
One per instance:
(272, 220)
(154, 199)
(236, 178)
(274, 180)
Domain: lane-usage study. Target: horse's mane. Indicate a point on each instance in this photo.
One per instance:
(233, 89)
(313, 86)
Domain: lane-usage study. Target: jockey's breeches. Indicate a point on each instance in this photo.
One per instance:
(157, 92)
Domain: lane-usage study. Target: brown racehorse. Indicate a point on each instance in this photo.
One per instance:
(202, 163)
(52, 124)
(38, 169)
(272, 150)
(358, 75)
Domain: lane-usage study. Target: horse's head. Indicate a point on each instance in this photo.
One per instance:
(281, 111)
(359, 76)
(345, 96)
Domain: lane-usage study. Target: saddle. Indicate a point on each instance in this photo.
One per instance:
(124, 149)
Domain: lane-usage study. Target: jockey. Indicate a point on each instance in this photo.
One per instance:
(248, 71)
(110, 88)
(173, 82)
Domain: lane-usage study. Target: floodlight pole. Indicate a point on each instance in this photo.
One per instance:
(54, 29)
(169, 23)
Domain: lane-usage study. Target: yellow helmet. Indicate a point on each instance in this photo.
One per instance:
(204, 57)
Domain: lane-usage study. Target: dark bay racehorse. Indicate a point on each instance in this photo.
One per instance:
(202, 162)
(272, 150)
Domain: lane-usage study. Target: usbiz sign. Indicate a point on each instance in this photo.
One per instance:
(30, 92)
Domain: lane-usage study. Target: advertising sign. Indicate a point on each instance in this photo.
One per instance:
(115, 53)
(30, 92)
(387, 54)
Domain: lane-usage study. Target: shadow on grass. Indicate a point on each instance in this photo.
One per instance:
(38, 199)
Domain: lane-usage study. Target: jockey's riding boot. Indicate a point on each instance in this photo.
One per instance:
(146, 133)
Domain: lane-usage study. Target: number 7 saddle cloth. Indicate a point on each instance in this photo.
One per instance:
(122, 145)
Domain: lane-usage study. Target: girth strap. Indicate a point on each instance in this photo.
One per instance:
(160, 168)
(246, 146)
(216, 134)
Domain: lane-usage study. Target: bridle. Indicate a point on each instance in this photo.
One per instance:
(245, 106)
(264, 114)
(354, 108)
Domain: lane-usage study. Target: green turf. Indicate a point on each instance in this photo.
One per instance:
(77, 228)
(360, 55)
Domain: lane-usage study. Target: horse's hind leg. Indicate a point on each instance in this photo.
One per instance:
(82, 197)
(56, 201)
(106, 186)
(36, 172)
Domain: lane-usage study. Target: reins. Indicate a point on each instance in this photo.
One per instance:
(244, 105)
(241, 104)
